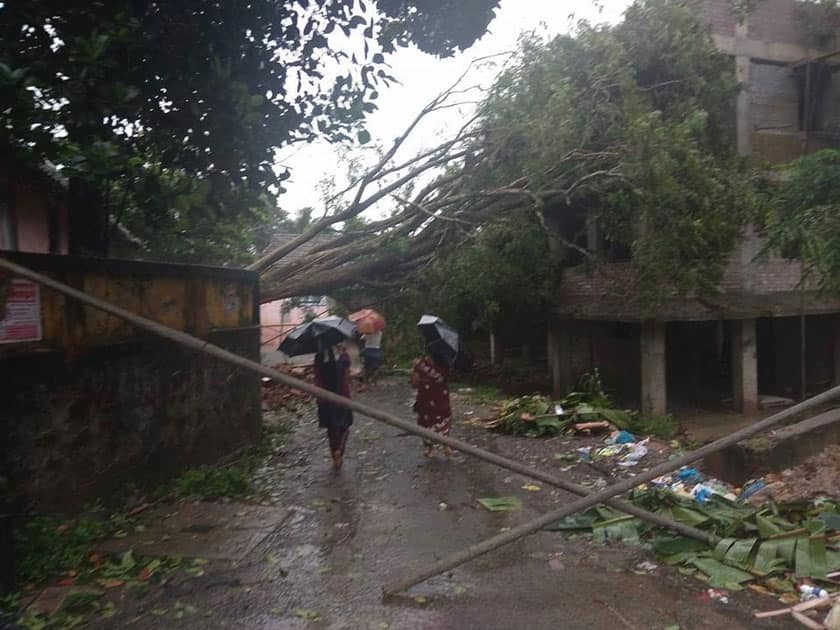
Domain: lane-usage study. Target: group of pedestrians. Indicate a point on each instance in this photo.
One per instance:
(429, 376)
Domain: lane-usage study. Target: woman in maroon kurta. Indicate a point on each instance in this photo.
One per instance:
(430, 376)
(334, 374)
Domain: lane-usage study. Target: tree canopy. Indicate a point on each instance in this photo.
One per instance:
(168, 114)
(803, 220)
(630, 126)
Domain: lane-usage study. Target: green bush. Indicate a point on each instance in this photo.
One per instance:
(48, 546)
(211, 483)
(664, 427)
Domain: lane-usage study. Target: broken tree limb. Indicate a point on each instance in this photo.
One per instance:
(607, 494)
(199, 345)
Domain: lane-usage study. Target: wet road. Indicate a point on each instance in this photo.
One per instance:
(391, 512)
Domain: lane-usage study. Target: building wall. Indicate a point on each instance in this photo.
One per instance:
(718, 14)
(612, 348)
(280, 316)
(776, 21)
(97, 403)
(774, 36)
(774, 98)
(78, 429)
(34, 213)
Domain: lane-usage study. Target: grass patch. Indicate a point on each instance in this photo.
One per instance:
(664, 427)
(480, 394)
(47, 546)
(206, 482)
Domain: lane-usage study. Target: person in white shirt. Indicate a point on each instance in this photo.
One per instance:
(372, 354)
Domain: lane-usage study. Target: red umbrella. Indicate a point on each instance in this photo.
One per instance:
(367, 321)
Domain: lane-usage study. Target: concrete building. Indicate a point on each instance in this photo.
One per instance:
(278, 317)
(766, 333)
(33, 214)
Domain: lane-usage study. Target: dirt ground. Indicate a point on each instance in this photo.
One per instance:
(390, 512)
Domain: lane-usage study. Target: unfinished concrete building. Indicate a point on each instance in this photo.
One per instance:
(765, 334)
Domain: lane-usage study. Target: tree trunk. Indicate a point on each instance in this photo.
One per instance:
(88, 220)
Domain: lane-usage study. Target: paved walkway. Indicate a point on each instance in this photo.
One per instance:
(330, 541)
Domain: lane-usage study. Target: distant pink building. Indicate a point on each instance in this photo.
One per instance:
(277, 318)
(33, 215)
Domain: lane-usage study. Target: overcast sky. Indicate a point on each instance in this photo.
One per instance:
(423, 76)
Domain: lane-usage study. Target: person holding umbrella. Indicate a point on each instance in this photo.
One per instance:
(430, 376)
(370, 324)
(331, 373)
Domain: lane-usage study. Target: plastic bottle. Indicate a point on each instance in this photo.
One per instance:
(810, 591)
(702, 493)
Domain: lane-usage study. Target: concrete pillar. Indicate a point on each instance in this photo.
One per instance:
(560, 357)
(593, 241)
(744, 367)
(654, 394)
(743, 119)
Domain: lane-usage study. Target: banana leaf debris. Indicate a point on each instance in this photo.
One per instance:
(791, 551)
(539, 416)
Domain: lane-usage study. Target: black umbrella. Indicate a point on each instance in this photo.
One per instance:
(317, 335)
(444, 342)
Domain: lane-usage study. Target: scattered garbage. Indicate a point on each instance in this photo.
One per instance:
(751, 488)
(770, 545)
(809, 592)
(691, 483)
(621, 437)
(717, 595)
(803, 612)
(637, 452)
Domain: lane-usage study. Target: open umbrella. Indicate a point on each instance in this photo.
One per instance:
(367, 321)
(444, 341)
(317, 335)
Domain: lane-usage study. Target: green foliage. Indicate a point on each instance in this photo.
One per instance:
(501, 504)
(168, 115)
(212, 483)
(528, 415)
(803, 219)
(632, 125)
(498, 278)
(47, 546)
(534, 415)
(755, 543)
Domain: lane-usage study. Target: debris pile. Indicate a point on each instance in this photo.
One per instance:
(538, 416)
(277, 396)
(791, 551)
(816, 476)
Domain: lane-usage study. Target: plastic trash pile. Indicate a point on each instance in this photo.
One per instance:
(621, 445)
(690, 483)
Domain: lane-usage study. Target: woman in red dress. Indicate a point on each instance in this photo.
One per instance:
(430, 376)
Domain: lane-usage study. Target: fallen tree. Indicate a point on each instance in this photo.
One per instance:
(623, 128)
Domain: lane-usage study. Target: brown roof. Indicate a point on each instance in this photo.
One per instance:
(286, 237)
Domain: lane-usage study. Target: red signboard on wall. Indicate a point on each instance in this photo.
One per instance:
(20, 312)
